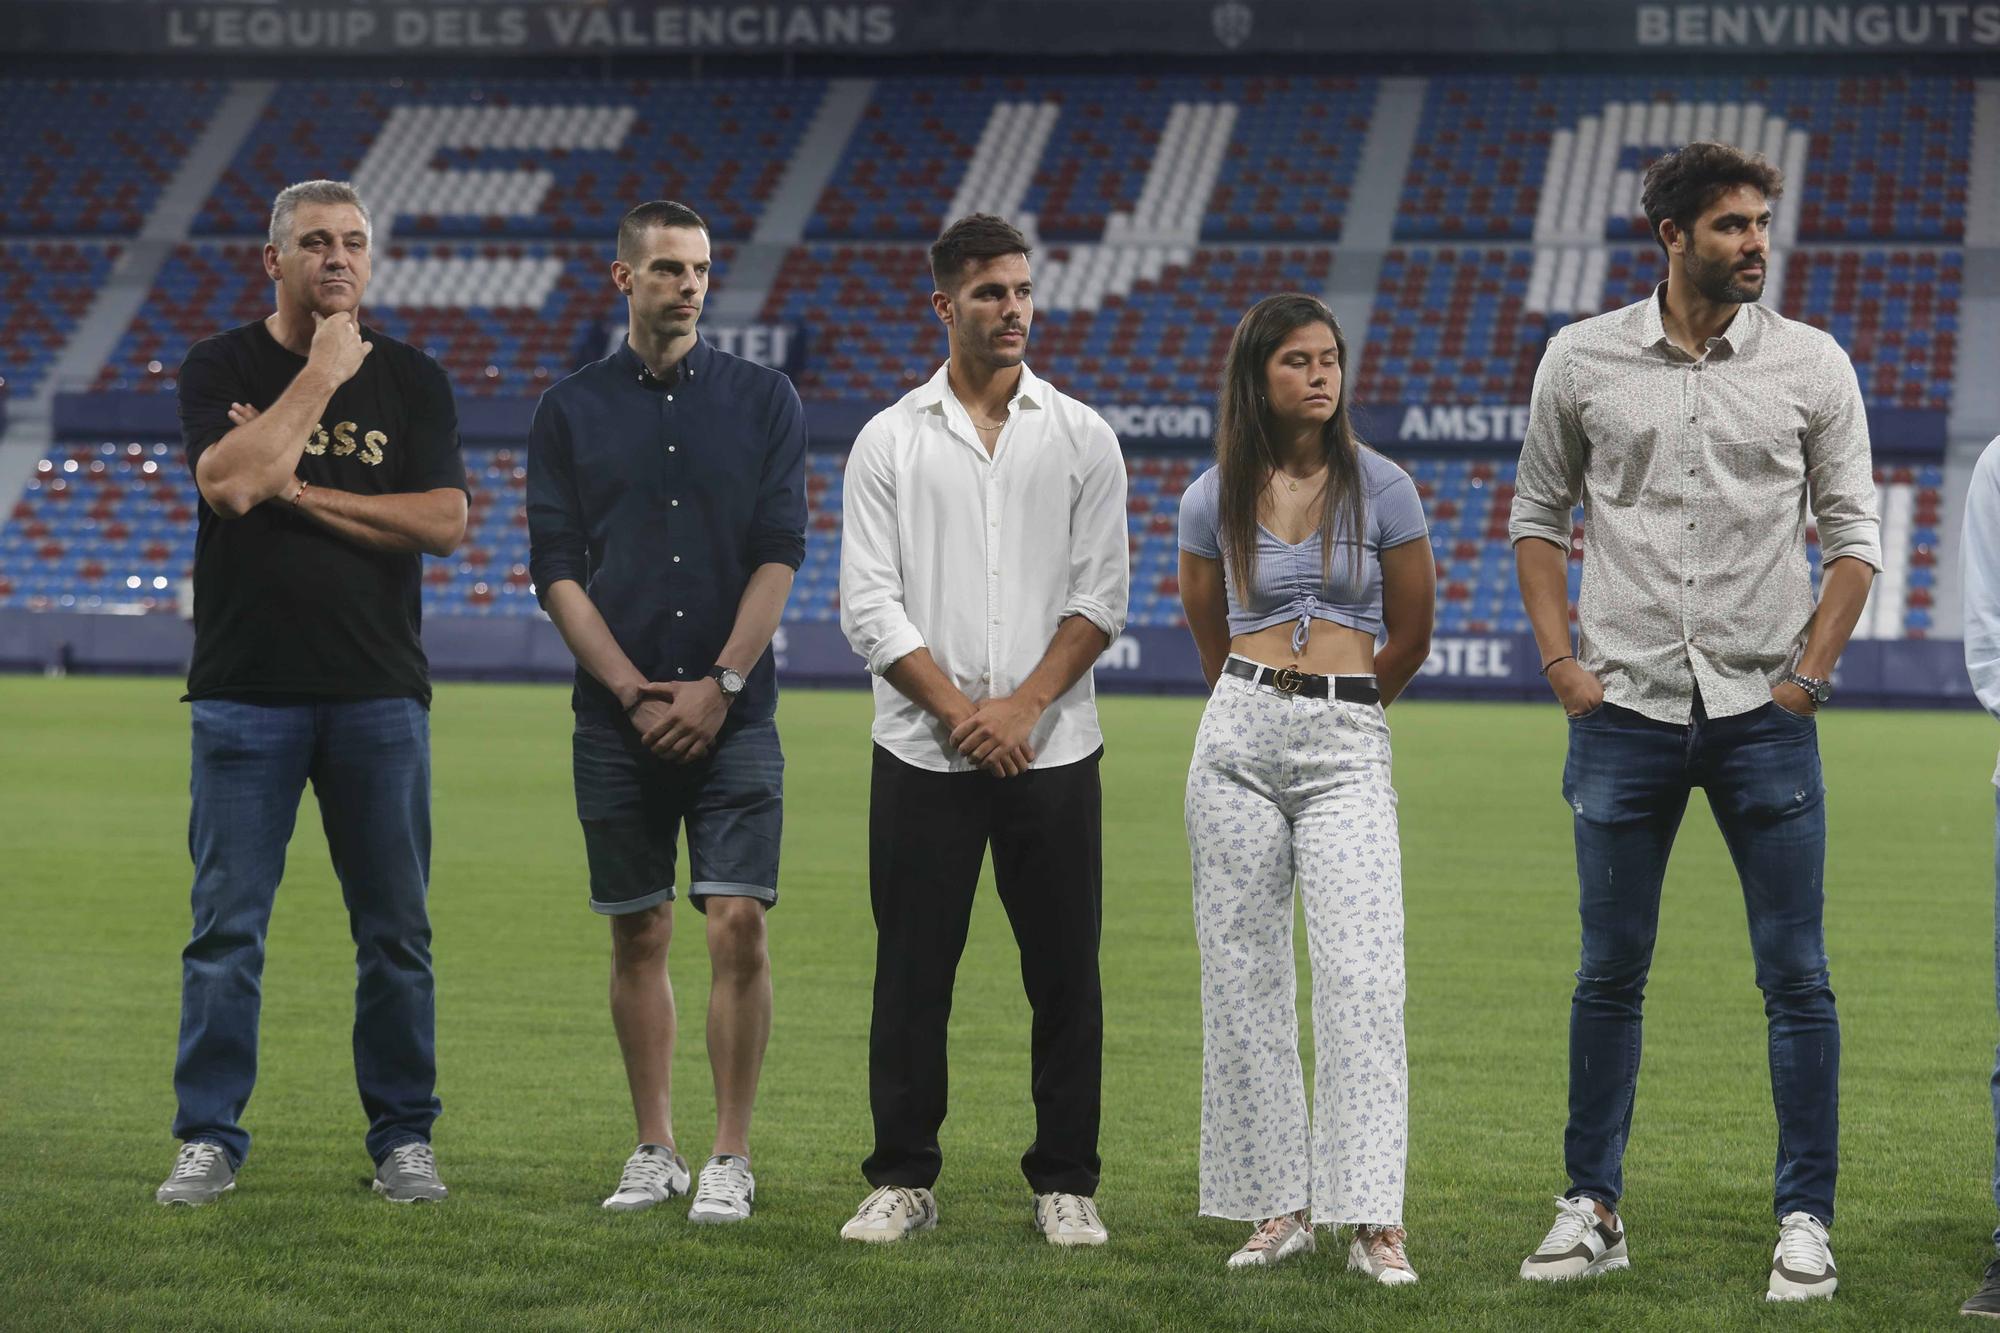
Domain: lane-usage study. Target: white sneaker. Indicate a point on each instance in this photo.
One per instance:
(1274, 1242)
(1802, 1265)
(1578, 1245)
(1069, 1219)
(891, 1213)
(1378, 1252)
(726, 1192)
(653, 1175)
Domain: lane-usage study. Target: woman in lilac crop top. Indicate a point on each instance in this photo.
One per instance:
(1299, 550)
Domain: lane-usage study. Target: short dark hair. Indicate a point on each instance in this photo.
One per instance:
(1682, 184)
(973, 239)
(657, 213)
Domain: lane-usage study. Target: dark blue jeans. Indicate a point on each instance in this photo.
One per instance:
(369, 763)
(1627, 779)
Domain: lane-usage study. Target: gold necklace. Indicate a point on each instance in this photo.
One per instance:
(1291, 482)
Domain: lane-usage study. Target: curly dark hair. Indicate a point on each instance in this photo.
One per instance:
(1683, 183)
(972, 239)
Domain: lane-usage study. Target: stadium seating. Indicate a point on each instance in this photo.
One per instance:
(550, 158)
(1455, 324)
(920, 137)
(1888, 158)
(1895, 312)
(1452, 326)
(89, 157)
(45, 286)
(1130, 338)
(504, 317)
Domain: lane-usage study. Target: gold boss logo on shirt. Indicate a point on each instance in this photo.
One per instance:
(341, 443)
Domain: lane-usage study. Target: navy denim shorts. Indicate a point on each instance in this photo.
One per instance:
(632, 805)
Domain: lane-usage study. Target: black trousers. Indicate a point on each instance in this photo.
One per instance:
(927, 835)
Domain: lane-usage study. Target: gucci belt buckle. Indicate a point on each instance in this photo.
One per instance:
(1287, 680)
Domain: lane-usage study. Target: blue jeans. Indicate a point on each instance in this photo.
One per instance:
(369, 764)
(1627, 779)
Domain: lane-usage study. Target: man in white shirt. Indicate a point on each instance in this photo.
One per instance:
(983, 569)
(1979, 565)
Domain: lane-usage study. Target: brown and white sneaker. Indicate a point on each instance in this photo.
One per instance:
(1378, 1252)
(1802, 1265)
(1578, 1245)
(1274, 1242)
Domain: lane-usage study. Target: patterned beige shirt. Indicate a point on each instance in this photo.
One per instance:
(1695, 476)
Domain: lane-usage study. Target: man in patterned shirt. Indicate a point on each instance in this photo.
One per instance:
(1697, 428)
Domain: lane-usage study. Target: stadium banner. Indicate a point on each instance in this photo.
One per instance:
(1462, 427)
(782, 347)
(1150, 659)
(361, 30)
(832, 423)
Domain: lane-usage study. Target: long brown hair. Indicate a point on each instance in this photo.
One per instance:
(1245, 457)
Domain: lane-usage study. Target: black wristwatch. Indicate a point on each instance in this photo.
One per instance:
(730, 679)
(1819, 691)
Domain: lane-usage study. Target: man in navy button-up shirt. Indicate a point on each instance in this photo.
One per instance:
(666, 516)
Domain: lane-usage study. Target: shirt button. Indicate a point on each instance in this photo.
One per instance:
(1690, 472)
(670, 398)
(1690, 529)
(1690, 584)
(677, 559)
(674, 503)
(679, 614)
(670, 448)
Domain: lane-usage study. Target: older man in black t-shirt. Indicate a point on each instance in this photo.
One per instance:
(327, 459)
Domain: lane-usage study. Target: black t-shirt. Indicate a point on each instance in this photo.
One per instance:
(281, 605)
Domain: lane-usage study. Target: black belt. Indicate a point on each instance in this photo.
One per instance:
(1290, 680)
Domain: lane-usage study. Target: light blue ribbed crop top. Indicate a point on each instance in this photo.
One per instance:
(1288, 584)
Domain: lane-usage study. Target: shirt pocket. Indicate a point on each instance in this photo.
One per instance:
(1772, 462)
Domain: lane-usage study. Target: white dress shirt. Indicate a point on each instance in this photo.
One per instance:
(980, 558)
(1979, 569)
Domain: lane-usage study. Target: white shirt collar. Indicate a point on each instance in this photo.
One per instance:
(1029, 392)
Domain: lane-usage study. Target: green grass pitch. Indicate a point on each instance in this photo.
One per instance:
(93, 912)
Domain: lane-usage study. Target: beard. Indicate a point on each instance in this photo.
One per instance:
(1719, 281)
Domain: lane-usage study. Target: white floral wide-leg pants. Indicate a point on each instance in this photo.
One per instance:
(1283, 786)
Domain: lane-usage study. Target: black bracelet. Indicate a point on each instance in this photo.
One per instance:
(1566, 657)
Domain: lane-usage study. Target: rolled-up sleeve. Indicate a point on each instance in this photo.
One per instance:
(872, 615)
(778, 533)
(1100, 565)
(1979, 566)
(1550, 475)
(1840, 471)
(557, 546)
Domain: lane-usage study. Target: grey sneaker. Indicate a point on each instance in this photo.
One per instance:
(201, 1174)
(726, 1192)
(653, 1174)
(409, 1174)
(1985, 1303)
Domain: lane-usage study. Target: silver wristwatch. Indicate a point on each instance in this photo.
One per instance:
(730, 679)
(1818, 690)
